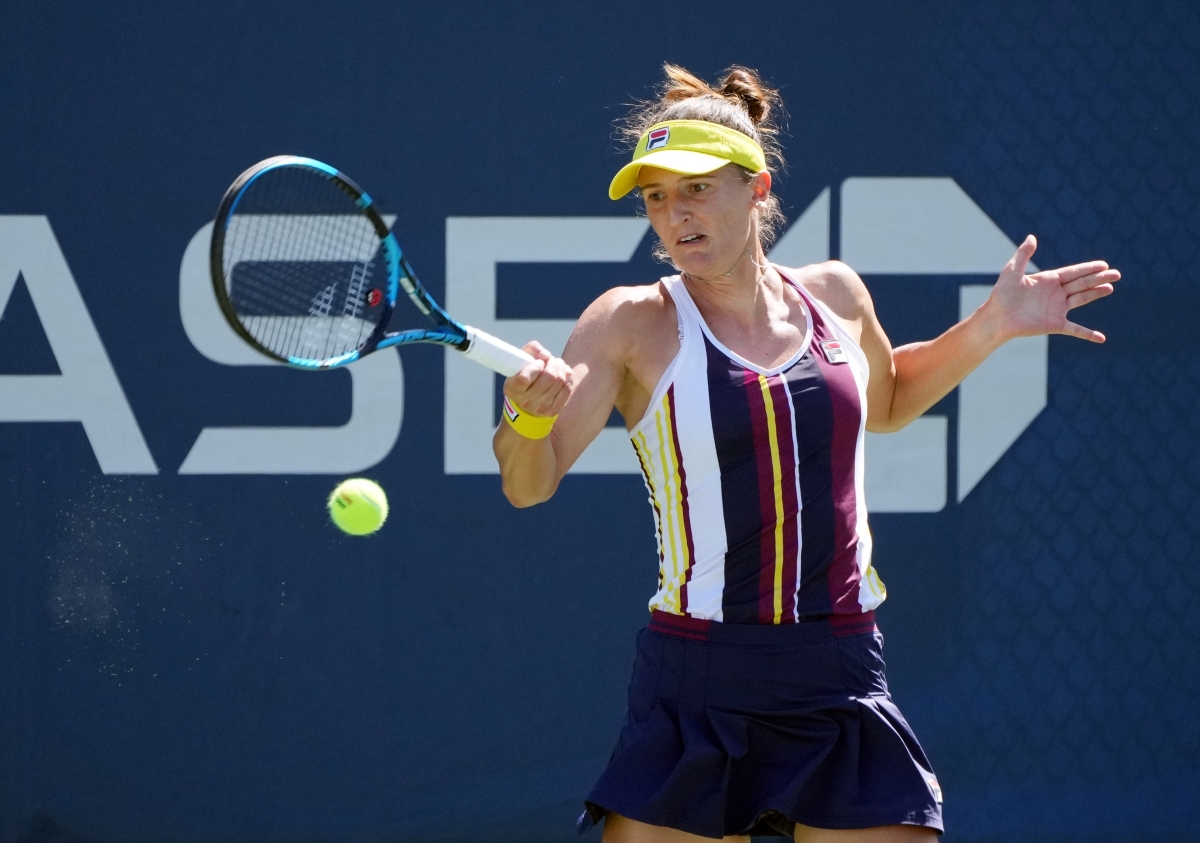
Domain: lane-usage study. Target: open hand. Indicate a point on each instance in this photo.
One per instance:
(1029, 305)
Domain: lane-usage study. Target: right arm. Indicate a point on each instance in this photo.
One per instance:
(581, 388)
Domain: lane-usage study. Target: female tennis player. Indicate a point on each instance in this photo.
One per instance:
(758, 703)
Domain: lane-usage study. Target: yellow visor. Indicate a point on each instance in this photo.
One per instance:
(689, 147)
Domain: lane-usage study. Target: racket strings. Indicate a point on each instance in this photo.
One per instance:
(305, 267)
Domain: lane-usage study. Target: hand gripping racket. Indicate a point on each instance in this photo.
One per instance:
(307, 272)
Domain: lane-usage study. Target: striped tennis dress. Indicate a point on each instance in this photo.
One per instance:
(758, 698)
(755, 476)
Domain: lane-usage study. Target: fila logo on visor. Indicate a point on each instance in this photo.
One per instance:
(658, 138)
(833, 352)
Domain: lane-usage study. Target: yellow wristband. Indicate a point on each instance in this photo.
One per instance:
(529, 426)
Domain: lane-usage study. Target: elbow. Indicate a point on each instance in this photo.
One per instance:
(526, 478)
(523, 497)
(891, 424)
(885, 426)
(888, 415)
(522, 500)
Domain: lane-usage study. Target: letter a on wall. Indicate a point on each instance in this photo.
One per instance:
(87, 391)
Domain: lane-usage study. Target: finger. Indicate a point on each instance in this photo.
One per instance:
(544, 396)
(545, 383)
(1024, 252)
(1081, 298)
(554, 377)
(554, 399)
(1067, 274)
(517, 385)
(1073, 330)
(1107, 276)
(537, 351)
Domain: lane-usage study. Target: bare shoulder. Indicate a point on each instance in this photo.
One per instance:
(623, 315)
(838, 287)
(630, 334)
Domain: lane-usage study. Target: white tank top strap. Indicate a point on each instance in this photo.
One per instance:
(826, 315)
(686, 312)
(690, 333)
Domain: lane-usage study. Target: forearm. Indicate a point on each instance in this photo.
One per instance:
(528, 467)
(579, 394)
(925, 372)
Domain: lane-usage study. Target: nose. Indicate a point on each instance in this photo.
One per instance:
(679, 209)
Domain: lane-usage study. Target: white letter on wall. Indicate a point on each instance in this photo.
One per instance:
(474, 245)
(807, 239)
(375, 416)
(905, 471)
(999, 399)
(87, 391)
(930, 226)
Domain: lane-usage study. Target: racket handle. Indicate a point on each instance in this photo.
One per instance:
(494, 353)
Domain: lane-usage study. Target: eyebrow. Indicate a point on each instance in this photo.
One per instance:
(659, 184)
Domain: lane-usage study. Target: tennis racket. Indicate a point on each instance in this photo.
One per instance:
(307, 272)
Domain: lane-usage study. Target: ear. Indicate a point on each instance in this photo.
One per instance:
(761, 187)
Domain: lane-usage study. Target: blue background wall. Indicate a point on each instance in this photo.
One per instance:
(205, 658)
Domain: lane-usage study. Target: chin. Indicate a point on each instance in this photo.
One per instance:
(698, 270)
(691, 264)
(696, 263)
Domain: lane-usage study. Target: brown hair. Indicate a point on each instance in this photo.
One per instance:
(740, 101)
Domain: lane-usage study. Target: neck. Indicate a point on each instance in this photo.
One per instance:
(725, 274)
(743, 291)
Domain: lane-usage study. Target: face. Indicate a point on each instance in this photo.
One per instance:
(705, 222)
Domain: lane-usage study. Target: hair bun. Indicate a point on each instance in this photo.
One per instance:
(743, 86)
(741, 101)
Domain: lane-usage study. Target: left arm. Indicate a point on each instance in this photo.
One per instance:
(906, 381)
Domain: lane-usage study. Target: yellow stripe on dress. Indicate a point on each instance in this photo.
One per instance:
(777, 474)
(670, 494)
(684, 560)
(645, 456)
(672, 532)
(642, 448)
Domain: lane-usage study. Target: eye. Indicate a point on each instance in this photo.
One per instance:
(699, 187)
(652, 197)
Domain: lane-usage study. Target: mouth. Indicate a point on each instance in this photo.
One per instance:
(690, 239)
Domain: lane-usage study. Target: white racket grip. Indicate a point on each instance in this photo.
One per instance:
(494, 353)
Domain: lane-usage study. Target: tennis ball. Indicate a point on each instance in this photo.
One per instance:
(358, 506)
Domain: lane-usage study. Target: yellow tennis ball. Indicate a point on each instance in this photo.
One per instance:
(358, 506)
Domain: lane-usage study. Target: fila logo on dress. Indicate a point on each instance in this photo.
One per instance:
(832, 349)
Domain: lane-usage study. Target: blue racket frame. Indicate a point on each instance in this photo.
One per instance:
(446, 329)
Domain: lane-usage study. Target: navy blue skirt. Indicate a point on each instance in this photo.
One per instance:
(749, 729)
